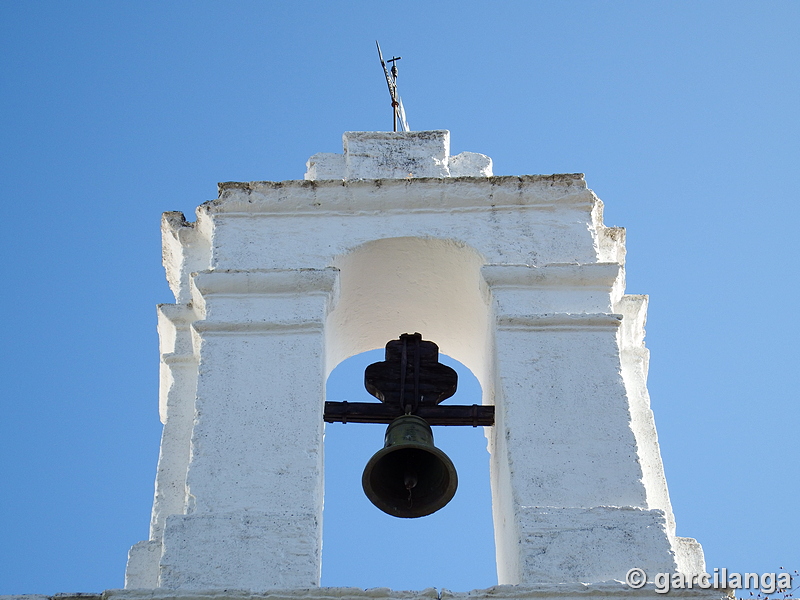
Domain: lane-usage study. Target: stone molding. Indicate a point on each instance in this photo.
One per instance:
(609, 590)
(296, 198)
(263, 301)
(254, 327)
(559, 322)
(521, 290)
(599, 276)
(265, 281)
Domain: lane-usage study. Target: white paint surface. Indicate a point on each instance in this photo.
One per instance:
(390, 155)
(516, 277)
(598, 591)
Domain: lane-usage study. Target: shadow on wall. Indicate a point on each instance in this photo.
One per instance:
(404, 285)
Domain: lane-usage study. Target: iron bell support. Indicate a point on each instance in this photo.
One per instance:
(409, 477)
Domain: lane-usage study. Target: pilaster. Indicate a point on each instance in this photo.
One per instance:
(253, 514)
(569, 494)
(177, 387)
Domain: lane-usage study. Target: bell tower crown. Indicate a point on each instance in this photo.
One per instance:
(392, 155)
(518, 278)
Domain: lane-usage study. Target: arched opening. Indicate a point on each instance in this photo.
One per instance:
(386, 288)
(364, 547)
(405, 285)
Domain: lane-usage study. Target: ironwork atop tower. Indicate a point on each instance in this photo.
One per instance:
(398, 111)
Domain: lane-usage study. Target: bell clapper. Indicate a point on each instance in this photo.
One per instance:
(410, 482)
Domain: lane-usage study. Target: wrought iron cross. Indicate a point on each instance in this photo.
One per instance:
(410, 381)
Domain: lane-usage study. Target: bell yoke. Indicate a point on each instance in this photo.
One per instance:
(409, 477)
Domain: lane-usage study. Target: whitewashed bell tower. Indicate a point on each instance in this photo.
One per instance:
(516, 277)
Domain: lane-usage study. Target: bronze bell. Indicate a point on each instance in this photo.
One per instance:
(409, 477)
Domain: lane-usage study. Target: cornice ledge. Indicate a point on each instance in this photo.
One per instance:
(177, 314)
(428, 194)
(555, 179)
(586, 275)
(566, 591)
(273, 282)
(175, 358)
(318, 593)
(543, 591)
(207, 328)
(559, 322)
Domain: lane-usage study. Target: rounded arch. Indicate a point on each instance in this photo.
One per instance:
(410, 284)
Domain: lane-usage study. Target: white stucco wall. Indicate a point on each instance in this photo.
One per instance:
(598, 591)
(392, 155)
(516, 277)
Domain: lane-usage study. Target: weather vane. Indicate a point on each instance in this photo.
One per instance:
(398, 112)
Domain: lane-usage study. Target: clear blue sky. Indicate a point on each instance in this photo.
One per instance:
(683, 115)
